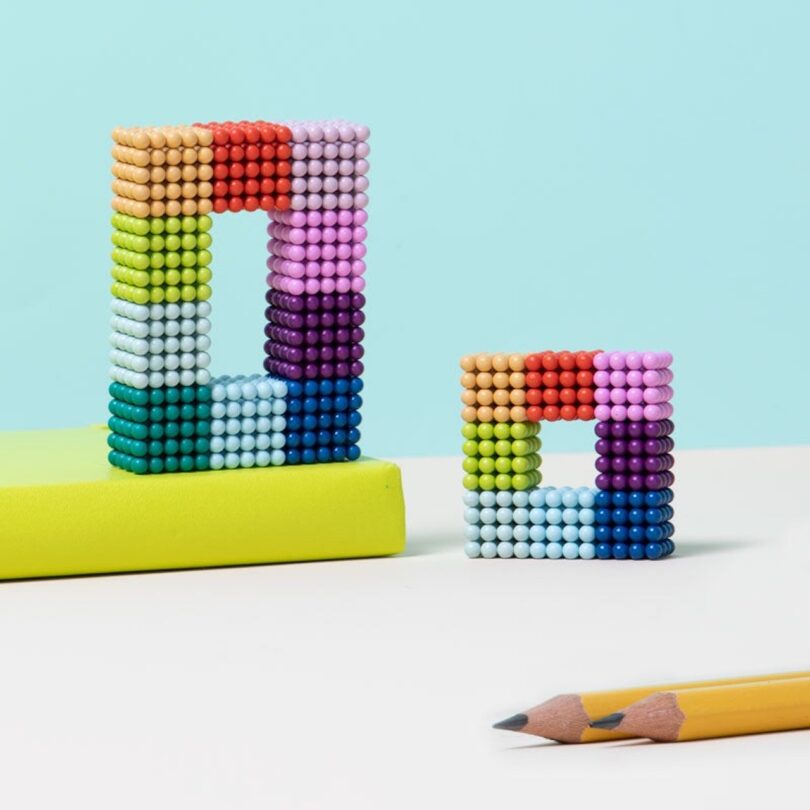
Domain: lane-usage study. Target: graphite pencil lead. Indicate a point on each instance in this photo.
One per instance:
(514, 723)
(609, 721)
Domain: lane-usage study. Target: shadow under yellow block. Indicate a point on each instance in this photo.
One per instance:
(64, 510)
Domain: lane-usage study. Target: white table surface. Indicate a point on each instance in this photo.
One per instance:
(373, 683)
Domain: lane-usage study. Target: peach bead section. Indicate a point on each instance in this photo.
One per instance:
(493, 387)
(162, 171)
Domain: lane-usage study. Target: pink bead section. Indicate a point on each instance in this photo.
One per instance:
(632, 386)
(317, 251)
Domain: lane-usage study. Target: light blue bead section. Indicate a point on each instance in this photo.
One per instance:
(522, 550)
(488, 533)
(247, 422)
(537, 532)
(544, 522)
(538, 551)
(489, 550)
(571, 551)
(520, 499)
(504, 515)
(506, 550)
(504, 532)
(488, 515)
(487, 498)
(587, 534)
(472, 532)
(472, 549)
(520, 533)
(503, 497)
(587, 551)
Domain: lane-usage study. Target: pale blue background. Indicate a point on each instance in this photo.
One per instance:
(544, 175)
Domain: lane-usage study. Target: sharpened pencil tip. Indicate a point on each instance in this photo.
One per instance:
(609, 721)
(514, 723)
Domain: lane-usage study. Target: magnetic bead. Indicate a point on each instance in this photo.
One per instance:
(537, 550)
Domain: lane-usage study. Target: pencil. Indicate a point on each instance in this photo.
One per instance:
(716, 711)
(567, 718)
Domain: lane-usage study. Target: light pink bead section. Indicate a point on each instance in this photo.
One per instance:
(328, 165)
(632, 386)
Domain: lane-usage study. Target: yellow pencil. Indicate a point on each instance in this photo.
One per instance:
(716, 711)
(567, 718)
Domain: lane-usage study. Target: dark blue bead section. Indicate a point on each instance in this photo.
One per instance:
(322, 420)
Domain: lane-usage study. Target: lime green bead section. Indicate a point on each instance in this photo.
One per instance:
(130, 276)
(524, 464)
(161, 259)
(523, 447)
(503, 481)
(522, 430)
(131, 241)
(128, 224)
(501, 455)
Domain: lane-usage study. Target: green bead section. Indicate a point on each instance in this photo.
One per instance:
(161, 259)
(157, 430)
(501, 455)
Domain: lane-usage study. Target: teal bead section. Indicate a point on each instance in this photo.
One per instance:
(157, 430)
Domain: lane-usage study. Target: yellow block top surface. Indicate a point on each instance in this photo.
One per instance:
(44, 457)
(65, 510)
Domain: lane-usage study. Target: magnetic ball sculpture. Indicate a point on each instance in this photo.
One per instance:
(627, 514)
(167, 414)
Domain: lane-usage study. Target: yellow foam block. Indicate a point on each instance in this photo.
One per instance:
(64, 510)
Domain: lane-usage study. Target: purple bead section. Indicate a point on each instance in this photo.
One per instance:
(634, 455)
(634, 430)
(633, 481)
(314, 336)
(314, 303)
(312, 371)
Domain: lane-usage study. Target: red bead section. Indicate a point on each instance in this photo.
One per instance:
(251, 165)
(559, 385)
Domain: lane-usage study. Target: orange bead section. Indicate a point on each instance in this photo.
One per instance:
(162, 171)
(493, 388)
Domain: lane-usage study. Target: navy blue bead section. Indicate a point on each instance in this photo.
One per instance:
(633, 524)
(634, 551)
(323, 418)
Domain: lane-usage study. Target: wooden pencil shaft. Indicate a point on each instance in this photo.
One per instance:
(565, 718)
(598, 704)
(753, 708)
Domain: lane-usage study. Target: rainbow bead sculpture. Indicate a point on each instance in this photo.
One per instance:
(627, 514)
(167, 414)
